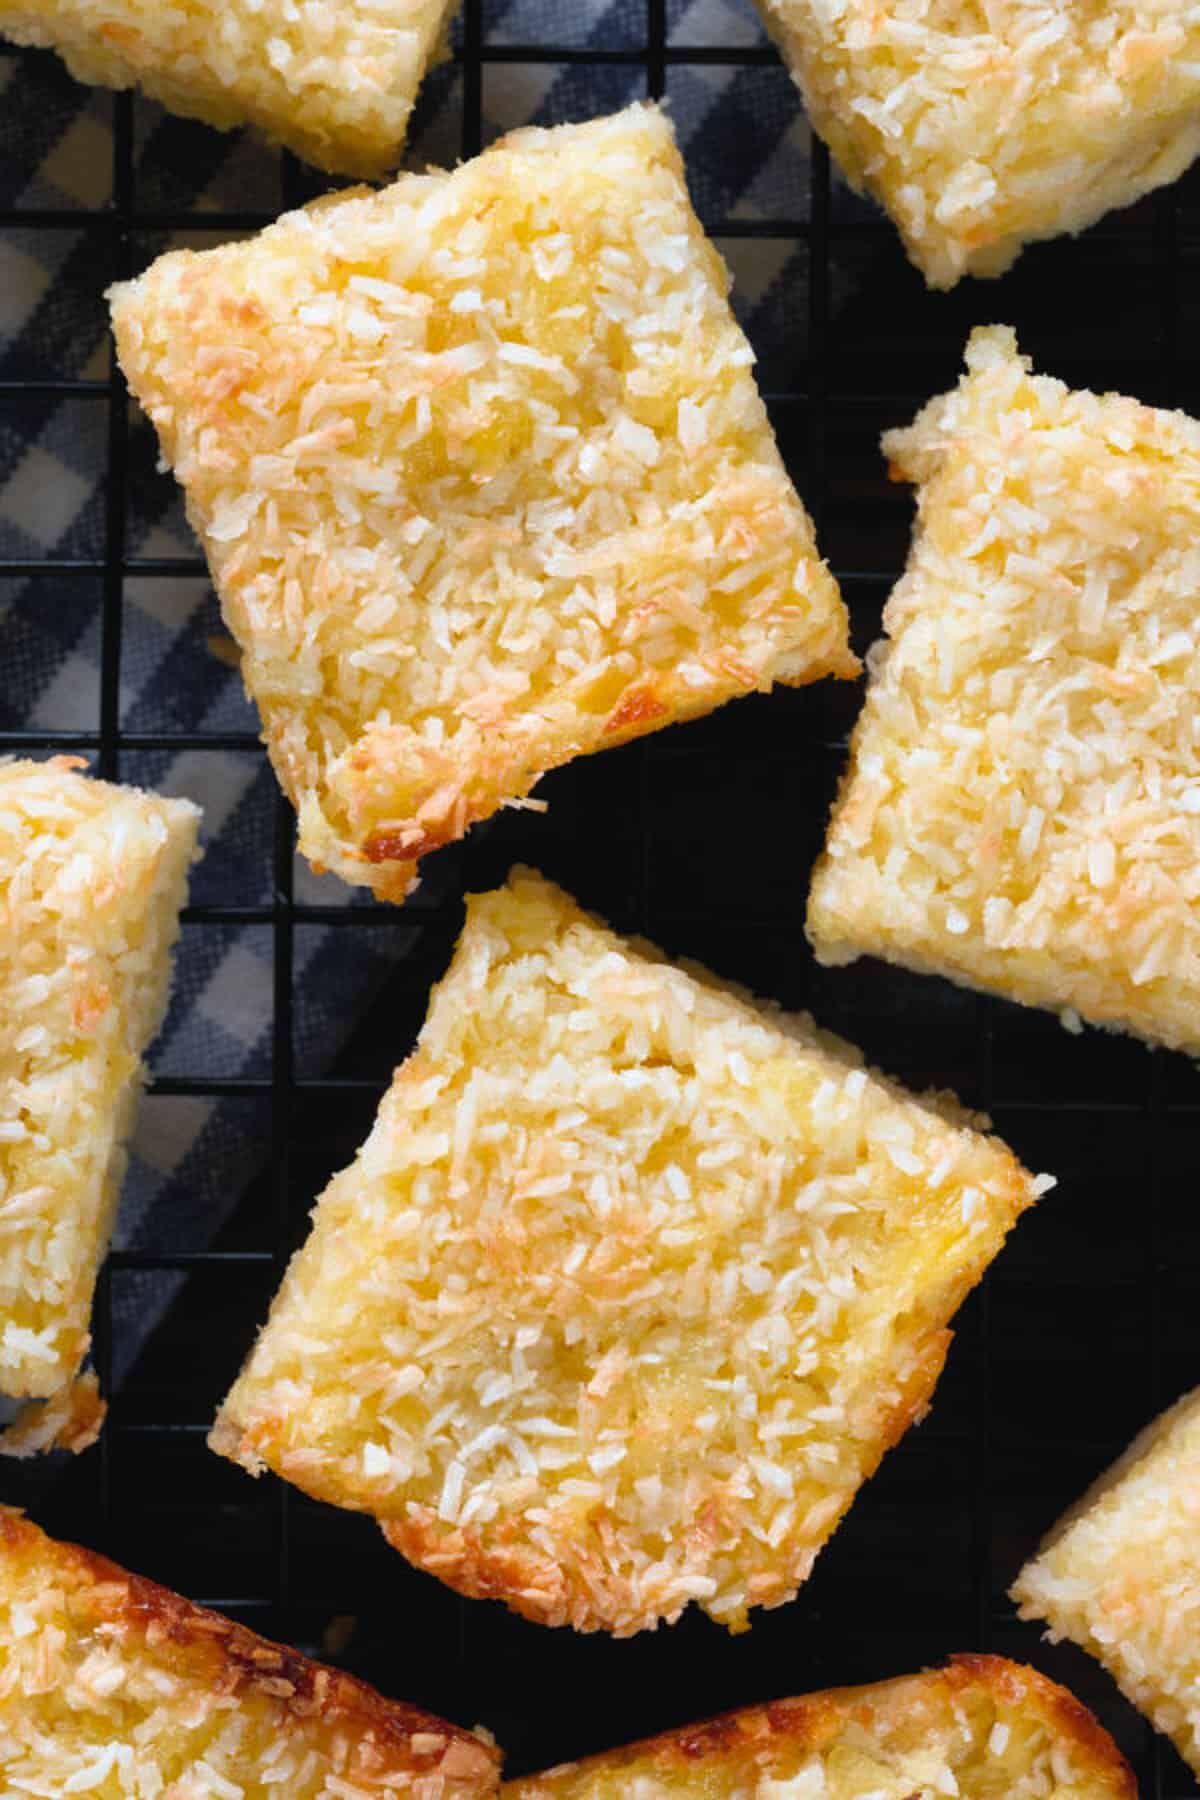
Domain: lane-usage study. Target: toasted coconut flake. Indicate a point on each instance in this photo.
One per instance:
(981, 1728)
(982, 125)
(334, 80)
(92, 878)
(1018, 811)
(430, 438)
(629, 1289)
(114, 1687)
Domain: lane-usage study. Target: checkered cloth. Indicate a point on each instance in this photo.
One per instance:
(746, 147)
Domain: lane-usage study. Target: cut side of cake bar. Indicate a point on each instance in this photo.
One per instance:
(981, 127)
(1120, 1575)
(1021, 810)
(117, 1688)
(334, 83)
(92, 879)
(630, 1288)
(484, 481)
(981, 1728)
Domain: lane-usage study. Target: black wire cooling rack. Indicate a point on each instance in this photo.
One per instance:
(702, 837)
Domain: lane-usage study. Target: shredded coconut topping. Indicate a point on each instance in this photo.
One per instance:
(629, 1289)
(1120, 1575)
(483, 478)
(92, 878)
(335, 80)
(983, 124)
(115, 1688)
(982, 1729)
(1020, 812)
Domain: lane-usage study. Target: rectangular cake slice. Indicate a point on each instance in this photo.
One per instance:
(629, 1289)
(335, 83)
(1120, 1575)
(1022, 807)
(484, 481)
(92, 878)
(982, 127)
(115, 1687)
(981, 1728)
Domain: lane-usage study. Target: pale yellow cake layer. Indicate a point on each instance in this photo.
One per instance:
(116, 1688)
(1022, 807)
(982, 125)
(629, 1289)
(334, 80)
(981, 1728)
(483, 478)
(1120, 1575)
(92, 878)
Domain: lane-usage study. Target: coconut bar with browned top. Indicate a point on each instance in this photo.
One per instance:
(982, 125)
(484, 481)
(113, 1686)
(1021, 811)
(629, 1289)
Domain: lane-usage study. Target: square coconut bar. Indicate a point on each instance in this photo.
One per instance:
(1022, 807)
(484, 481)
(1120, 1575)
(92, 878)
(982, 1728)
(982, 127)
(336, 83)
(628, 1290)
(116, 1687)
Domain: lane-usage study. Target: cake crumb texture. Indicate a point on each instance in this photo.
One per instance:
(92, 877)
(982, 1728)
(629, 1289)
(1021, 811)
(333, 80)
(483, 478)
(115, 1687)
(981, 125)
(1120, 1575)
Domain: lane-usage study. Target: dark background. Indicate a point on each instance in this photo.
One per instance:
(703, 838)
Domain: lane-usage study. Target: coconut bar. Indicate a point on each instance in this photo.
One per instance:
(628, 1290)
(484, 481)
(116, 1687)
(981, 127)
(981, 1728)
(335, 83)
(1022, 807)
(1120, 1575)
(92, 878)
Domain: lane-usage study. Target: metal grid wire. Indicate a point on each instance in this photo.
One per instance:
(1094, 1301)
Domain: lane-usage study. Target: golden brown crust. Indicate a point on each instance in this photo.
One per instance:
(218, 1657)
(769, 1740)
